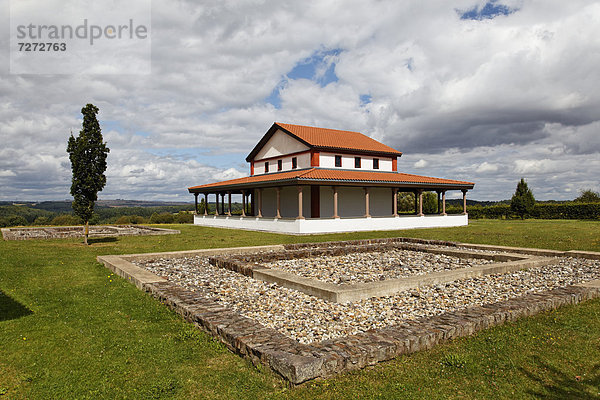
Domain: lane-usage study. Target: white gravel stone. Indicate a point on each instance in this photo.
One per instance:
(372, 266)
(307, 319)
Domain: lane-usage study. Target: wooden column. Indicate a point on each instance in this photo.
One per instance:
(278, 215)
(300, 216)
(196, 203)
(260, 203)
(217, 203)
(444, 202)
(229, 204)
(395, 205)
(367, 208)
(420, 214)
(243, 203)
(464, 192)
(416, 193)
(205, 204)
(335, 202)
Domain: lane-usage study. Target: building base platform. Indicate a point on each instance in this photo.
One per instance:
(310, 226)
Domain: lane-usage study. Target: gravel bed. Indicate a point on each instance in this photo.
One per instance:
(307, 319)
(372, 266)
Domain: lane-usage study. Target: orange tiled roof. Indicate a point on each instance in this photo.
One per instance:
(336, 139)
(334, 175)
(332, 139)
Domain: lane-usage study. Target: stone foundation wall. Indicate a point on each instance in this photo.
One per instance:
(62, 232)
(299, 363)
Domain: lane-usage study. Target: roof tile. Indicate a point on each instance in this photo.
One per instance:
(336, 139)
(334, 175)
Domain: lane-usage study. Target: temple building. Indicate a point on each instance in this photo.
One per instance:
(307, 180)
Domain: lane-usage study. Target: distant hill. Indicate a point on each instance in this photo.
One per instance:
(64, 206)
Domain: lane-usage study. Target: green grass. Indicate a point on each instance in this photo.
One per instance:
(70, 329)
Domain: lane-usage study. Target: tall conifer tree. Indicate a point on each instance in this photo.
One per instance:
(522, 202)
(88, 155)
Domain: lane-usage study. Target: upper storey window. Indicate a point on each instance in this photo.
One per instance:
(294, 162)
(338, 161)
(266, 167)
(356, 162)
(376, 163)
(279, 165)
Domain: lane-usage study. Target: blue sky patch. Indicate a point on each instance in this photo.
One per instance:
(365, 99)
(319, 68)
(490, 10)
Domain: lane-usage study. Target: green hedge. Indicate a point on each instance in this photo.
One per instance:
(541, 210)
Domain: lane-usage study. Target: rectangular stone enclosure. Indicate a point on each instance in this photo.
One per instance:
(299, 362)
(96, 231)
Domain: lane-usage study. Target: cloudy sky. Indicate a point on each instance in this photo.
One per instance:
(483, 91)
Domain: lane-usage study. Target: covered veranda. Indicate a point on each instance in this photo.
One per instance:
(323, 201)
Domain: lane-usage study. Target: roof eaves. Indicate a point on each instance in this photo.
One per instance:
(263, 141)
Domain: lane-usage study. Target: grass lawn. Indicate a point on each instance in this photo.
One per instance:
(70, 329)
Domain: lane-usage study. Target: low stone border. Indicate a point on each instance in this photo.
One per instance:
(253, 267)
(299, 362)
(96, 231)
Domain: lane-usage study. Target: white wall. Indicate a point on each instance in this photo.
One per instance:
(303, 162)
(279, 144)
(310, 226)
(327, 160)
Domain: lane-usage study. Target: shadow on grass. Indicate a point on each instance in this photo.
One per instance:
(11, 309)
(110, 239)
(561, 385)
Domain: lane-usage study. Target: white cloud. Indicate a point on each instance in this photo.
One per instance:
(486, 167)
(421, 164)
(485, 101)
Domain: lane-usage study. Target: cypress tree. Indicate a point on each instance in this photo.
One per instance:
(88, 155)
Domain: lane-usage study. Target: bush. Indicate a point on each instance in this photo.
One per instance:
(13, 220)
(540, 210)
(184, 218)
(162, 218)
(429, 203)
(66, 219)
(42, 221)
(123, 220)
(588, 196)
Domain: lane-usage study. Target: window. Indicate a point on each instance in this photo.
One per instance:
(376, 163)
(279, 165)
(266, 167)
(294, 162)
(356, 162)
(338, 161)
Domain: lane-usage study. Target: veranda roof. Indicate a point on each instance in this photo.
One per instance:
(325, 176)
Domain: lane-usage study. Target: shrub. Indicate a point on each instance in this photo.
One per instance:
(406, 202)
(429, 203)
(42, 221)
(66, 219)
(13, 220)
(184, 218)
(588, 196)
(123, 220)
(162, 218)
(136, 219)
